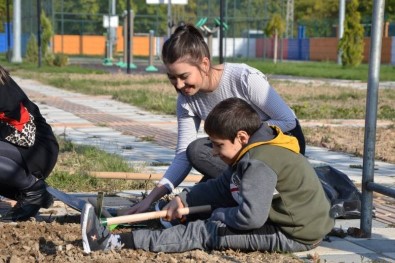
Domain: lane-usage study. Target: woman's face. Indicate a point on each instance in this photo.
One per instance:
(187, 78)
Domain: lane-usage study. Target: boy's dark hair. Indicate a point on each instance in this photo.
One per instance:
(230, 116)
(186, 42)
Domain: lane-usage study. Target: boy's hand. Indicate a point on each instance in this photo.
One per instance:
(172, 208)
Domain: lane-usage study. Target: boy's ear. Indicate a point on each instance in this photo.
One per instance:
(243, 137)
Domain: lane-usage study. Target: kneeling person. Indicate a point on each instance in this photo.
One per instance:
(28, 152)
(270, 198)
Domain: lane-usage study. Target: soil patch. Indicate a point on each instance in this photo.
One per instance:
(34, 241)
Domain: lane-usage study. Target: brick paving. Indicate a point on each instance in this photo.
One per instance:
(161, 137)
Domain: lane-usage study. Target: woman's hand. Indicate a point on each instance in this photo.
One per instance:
(140, 207)
(145, 204)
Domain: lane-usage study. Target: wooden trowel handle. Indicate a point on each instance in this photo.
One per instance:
(104, 212)
(153, 215)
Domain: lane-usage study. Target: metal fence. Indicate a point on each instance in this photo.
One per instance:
(368, 184)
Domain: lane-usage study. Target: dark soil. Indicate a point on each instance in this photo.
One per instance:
(35, 241)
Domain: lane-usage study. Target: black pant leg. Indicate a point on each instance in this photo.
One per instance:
(13, 174)
(200, 155)
(298, 133)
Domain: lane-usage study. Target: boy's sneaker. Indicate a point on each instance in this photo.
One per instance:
(94, 235)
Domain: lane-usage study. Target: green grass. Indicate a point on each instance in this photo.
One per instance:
(33, 68)
(294, 68)
(306, 112)
(148, 100)
(71, 172)
(95, 87)
(328, 70)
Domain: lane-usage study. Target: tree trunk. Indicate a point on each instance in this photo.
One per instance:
(275, 47)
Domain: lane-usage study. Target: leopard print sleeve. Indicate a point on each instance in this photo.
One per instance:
(20, 133)
(26, 137)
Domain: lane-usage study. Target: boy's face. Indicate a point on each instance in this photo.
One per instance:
(226, 149)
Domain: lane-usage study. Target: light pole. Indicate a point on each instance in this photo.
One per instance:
(342, 8)
(8, 28)
(39, 32)
(16, 51)
(221, 31)
(169, 19)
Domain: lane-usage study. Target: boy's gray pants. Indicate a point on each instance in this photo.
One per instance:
(214, 235)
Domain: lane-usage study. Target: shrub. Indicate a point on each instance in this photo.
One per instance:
(8, 55)
(386, 112)
(46, 35)
(32, 50)
(352, 43)
(60, 60)
(49, 59)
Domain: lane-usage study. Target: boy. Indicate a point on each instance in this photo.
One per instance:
(270, 198)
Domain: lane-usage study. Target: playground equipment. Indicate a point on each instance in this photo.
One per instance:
(110, 22)
(209, 32)
(123, 63)
(169, 3)
(151, 67)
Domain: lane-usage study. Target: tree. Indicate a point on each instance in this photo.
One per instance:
(390, 10)
(80, 17)
(318, 16)
(275, 27)
(46, 34)
(352, 43)
(32, 50)
(3, 14)
(150, 17)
